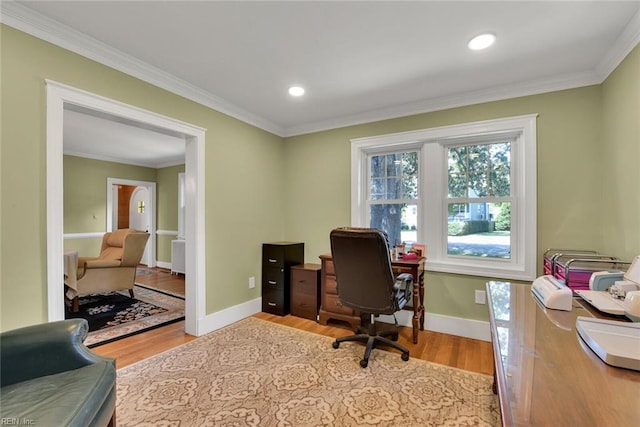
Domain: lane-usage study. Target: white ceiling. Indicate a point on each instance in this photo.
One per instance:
(359, 61)
(96, 136)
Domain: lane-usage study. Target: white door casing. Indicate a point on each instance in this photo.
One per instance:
(57, 96)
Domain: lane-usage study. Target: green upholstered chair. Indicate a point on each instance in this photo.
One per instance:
(49, 378)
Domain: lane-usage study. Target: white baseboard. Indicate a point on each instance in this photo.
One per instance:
(467, 328)
(459, 326)
(163, 264)
(230, 315)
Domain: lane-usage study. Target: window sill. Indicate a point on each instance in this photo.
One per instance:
(480, 269)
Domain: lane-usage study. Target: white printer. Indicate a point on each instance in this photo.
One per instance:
(552, 293)
(615, 292)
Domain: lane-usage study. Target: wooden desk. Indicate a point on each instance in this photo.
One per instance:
(545, 374)
(331, 308)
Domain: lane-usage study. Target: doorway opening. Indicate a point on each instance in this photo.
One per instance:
(61, 96)
(132, 204)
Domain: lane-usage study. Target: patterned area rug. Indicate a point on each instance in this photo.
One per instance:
(257, 373)
(115, 315)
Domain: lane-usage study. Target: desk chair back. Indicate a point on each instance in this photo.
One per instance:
(364, 276)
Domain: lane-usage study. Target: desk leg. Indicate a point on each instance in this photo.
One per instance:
(421, 311)
(418, 307)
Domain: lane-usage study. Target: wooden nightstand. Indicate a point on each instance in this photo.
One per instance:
(305, 290)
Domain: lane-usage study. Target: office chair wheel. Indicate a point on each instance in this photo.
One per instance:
(405, 356)
(364, 363)
(335, 344)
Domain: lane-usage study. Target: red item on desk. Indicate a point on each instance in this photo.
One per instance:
(410, 255)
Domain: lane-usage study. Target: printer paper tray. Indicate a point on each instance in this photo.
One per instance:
(616, 343)
(602, 301)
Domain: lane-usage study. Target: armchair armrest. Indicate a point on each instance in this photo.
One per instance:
(45, 349)
(102, 263)
(93, 263)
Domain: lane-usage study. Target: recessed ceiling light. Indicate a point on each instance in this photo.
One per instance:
(481, 41)
(296, 91)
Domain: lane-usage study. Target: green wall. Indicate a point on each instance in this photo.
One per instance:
(244, 201)
(620, 158)
(574, 198)
(260, 187)
(85, 200)
(167, 200)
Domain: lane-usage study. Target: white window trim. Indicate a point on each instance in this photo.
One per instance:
(431, 144)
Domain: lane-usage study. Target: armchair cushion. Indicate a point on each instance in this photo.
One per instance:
(48, 376)
(112, 253)
(113, 243)
(116, 238)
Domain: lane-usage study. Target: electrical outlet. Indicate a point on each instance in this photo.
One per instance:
(481, 297)
(252, 282)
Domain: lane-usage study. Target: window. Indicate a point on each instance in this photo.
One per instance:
(479, 200)
(393, 195)
(468, 191)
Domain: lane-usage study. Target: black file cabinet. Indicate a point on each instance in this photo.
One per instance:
(277, 259)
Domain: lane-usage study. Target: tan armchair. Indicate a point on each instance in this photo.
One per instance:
(115, 268)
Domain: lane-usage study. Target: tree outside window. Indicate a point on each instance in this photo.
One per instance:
(479, 191)
(393, 195)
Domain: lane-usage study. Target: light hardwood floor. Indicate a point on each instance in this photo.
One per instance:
(458, 352)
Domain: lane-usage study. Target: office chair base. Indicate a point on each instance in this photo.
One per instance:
(372, 341)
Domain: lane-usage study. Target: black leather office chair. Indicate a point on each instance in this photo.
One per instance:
(366, 283)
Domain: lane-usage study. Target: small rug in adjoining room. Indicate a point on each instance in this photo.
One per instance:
(258, 373)
(115, 315)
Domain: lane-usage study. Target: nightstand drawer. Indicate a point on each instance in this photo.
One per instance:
(305, 290)
(304, 306)
(304, 281)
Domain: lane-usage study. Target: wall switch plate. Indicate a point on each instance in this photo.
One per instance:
(481, 297)
(252, 282)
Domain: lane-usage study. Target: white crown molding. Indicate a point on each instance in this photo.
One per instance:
(124, 160)
(496, 93)
(628, 40)
(31, 22)
(35, 24)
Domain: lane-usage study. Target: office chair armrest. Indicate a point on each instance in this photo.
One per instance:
(403, 281)
(403, 288)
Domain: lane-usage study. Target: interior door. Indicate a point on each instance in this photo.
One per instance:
(139, 216)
